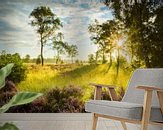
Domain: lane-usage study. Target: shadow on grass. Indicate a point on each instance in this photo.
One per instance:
(79, 71)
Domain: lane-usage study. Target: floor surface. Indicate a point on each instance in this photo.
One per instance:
(57, 121)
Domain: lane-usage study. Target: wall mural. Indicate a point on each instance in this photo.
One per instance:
(58, 47)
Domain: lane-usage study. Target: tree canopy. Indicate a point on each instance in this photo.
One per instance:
(46, 24)
(143, 21)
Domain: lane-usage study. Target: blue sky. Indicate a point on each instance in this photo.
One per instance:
(16, 35)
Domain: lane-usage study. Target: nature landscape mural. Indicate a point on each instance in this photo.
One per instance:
(59, 47)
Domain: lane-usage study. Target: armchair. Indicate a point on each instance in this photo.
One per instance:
(138, 107)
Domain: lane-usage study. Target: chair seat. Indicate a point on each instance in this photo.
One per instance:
(131, 111)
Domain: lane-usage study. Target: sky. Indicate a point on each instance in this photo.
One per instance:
(17, 35)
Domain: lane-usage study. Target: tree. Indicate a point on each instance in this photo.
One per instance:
(59, 45)
(19, 70)
(91, 59)
(143, 21)
(96, 31)
(27, 58)
(46, 24)
(38, 60)
(72, 51)
(106, 35)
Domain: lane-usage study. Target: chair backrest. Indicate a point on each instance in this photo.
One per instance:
(146, 77)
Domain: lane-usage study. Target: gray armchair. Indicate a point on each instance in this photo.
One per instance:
(137, 106)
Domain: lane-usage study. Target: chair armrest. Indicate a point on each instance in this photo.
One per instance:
(148, 88)
(102, 85)
(148, 91)
(98, 91)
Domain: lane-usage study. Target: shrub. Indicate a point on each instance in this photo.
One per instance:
(18, 72)
(18, 99)
(37, 106)
(67, 99)
(7, 92)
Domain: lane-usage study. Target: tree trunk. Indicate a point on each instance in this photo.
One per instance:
(147, 63)
(96, 58)
(118, 61)
(57, 58)
(132, 53)
(42, 57)
(110, 59)
(103, 57)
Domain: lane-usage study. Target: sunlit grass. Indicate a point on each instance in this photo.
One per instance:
(41, 79)
(38, 79)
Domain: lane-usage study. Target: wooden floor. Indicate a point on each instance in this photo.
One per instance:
(57, 121)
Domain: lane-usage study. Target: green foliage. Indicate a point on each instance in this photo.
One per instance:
(37, 106)
(38, 60)
(46, 24)
(72, 51)
(18, 99)
(91, 59)
(26, 58)
(7, 89)
(78, 75)
(106, 36)
(67, 99)
(123, 62)
(60, 46)
(4, 72)
(8, 126)
(18, 71)
(143, 22)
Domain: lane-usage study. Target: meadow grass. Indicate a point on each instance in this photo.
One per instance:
(42, 79)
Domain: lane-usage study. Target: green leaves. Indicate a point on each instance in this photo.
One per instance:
(8, 126)
(20, 99)
(46, 24)
(4, 72)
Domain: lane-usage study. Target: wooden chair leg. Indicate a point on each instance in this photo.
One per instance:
(124, 125)
(146, 110)
(160, 98)
(94, 123)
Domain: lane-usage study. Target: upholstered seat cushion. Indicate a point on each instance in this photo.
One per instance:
(125, 110)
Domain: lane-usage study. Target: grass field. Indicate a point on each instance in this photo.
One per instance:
(41, 79)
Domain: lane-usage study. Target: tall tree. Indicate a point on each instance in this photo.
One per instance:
(96, 31)
(59, 45)
(46, 24)
(106, 36)
(72, 51)
(143, 20)
(27, 58)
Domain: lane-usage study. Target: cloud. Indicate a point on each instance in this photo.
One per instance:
(16, 35)
(84, 5)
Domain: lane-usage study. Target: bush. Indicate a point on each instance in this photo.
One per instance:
(7, 92)
(37, 106)
(67, 99)
(18, 72)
